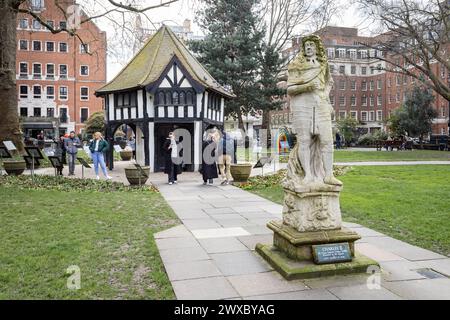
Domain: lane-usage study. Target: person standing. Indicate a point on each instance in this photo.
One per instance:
(172, 166)
(60, 152)
(71, 144)
(338, 141)
(226, 153)
(132, 145)
(97, 146)
(209, 165)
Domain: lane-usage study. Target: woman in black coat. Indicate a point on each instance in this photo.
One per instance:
(172, 165)
(209, 165)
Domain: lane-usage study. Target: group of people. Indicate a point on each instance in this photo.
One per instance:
(67, 149)
(218, 153)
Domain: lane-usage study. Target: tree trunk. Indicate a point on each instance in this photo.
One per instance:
(9, 119)
(266, 126)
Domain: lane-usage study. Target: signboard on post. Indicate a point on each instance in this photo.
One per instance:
(4, 153)
(34, 152)
(117, 148)
(84, 164)
(9, 145)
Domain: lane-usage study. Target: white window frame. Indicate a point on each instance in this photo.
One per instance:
(37, 75)
(28, 70)
(54, 46)
(54, 93)
(27, 42)
(60, 97)
(354, 115)
(59, 47)
(342, 102)
(353, 100)
(340, 114)
(371, 116)
(32, 45)
(34, 96)
(88, 113)
(23, 96)
(84, 97)
(81, 48)
(379, 115)
(46, 70)
(364, 116)
(28, 23)
(32, 25)
(81, 67)
(67, 70)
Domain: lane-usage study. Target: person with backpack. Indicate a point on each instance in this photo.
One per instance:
(97, 147)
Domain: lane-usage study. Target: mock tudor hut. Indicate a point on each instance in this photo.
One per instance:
(162, 89)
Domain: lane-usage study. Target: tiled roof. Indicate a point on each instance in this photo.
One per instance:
(148, 64)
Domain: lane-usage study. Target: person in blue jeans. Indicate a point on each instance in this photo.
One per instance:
(97, 146)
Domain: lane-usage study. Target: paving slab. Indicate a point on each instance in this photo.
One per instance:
(213, 288)
(222, 245)
(315, 294)
(219, 233)
(251, 241)
(239, 263)
(192, 214)
(440, 265)
(183, 255)
(230, 223)
(193, 224)
(376, 253)
(256, 215)
(214, 211)
(428, 289)
(264, 283)
(400, 271)
(227, 216)
(175, 243)
(191, 270)
(362, 292)
(258, 230)
(337, 281)
(176, 232)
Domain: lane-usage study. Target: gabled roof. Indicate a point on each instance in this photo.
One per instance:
(149, 63)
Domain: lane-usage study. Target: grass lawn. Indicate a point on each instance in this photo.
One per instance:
(108, 235)
(410, 203)
(414, 155)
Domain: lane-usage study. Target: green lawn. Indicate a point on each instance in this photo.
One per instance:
(414, 155)
(410, 203)
(108, 235)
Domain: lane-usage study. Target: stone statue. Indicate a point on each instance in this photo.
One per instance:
(309, 85)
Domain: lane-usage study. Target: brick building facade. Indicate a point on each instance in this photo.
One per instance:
(362, 88)
(57, 74)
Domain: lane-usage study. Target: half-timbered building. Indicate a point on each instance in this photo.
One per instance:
(162, 89)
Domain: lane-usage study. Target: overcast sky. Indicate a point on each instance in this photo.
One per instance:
(177, 12)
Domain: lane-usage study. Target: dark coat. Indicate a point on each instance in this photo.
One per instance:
(60, 151)
(168, 158)
(209, 171)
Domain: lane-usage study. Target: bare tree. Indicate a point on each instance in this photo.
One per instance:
(414, 39)
(9, 9)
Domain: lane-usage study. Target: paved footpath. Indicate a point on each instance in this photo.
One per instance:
(211, 255)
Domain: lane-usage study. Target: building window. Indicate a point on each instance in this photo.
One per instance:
(354, 115)
(330, 53)
(24, 112)
(342, 84)
(63, 47)
(353, 69)
(363, 70)
(442, 112)
(397, 97)
(50, 72)
(379, 115)
(37, 92)
(37, 70)
(342, 100)
(63, 93)
(84, 48)
(37, 4)
(23, 24)
(36, 25)
(128, 99)
(389, 84)
(352, 53)
(353, 100)
(379, 100)
(50, 113)
(372, 70)
(332, 100)
(379, 84)
(51, 92)
(63, 115)
(50, 46)
(371, 116)
(398, 80)
(364, 101)
(84, 70)
(372, 100)
(84, 93)
(23, 45)
(353, 85)
(342, 115)
(63, 70)
(332, 68)
(364, 116)
(23, 92)
(342, 69)
(63, 25)
(37, 112)
(84, 115)
(37, 45)
(364, 85)
(51, 23)
(372, 85)
(363, 54)
(23, 71)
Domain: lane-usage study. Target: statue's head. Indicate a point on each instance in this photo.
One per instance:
(313, 46)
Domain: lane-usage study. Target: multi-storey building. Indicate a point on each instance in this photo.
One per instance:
(362, 88)
(57, 74)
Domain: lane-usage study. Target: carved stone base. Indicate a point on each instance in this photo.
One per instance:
(312, 208)
(298, 245)
(292, 253)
